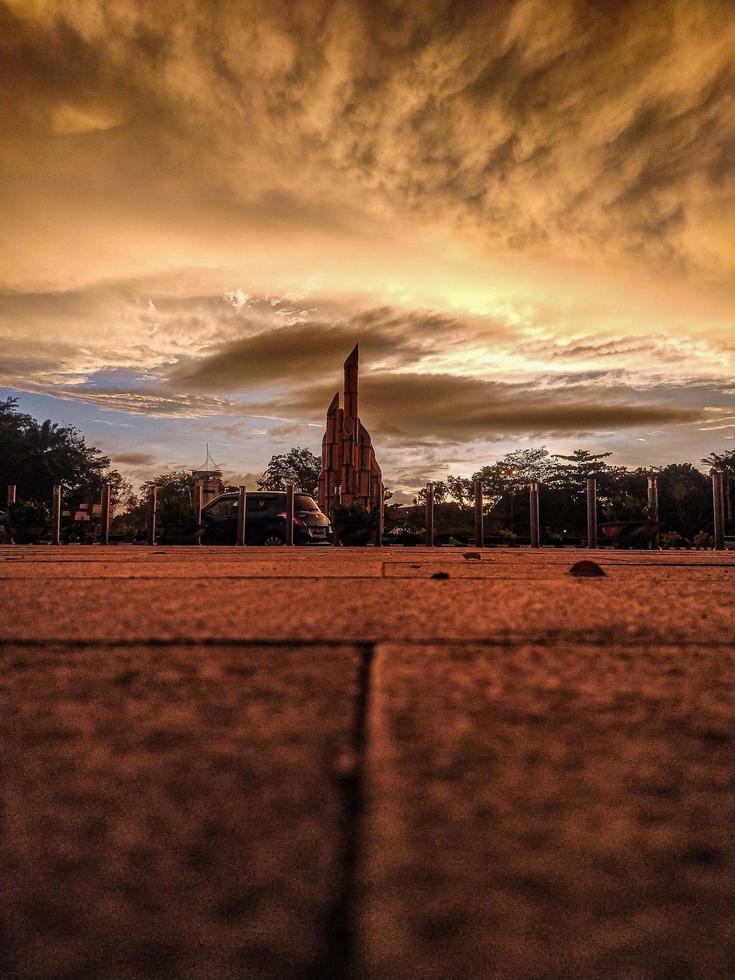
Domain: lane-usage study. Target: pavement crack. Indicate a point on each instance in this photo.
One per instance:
(339, 933)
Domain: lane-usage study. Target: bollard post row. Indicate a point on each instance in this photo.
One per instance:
(105, 516)
(241, 511)
(429, 522)
(479, 516)
(198, 506)
(534, 513)
(652, 500)
(56, 515)
(151, 529)
(289, 513)
(591, 512)
(718, 507)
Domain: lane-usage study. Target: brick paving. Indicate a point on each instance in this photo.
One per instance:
(405, 763)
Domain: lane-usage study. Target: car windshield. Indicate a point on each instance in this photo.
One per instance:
(302, 502)
(256, 505)
(222, 508)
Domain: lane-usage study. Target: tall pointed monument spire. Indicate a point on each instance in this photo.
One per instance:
(350, 471)
(351, 372)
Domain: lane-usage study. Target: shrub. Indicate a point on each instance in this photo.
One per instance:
(354, 524)
(27, 513)
(176, 511)
(703, 539)
(670, 539)
(625, 507)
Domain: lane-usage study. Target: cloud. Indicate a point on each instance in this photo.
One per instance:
(571, 128)
(159, 403)
(401, 408)
(301, 350)
(134, 459)
(522, 210)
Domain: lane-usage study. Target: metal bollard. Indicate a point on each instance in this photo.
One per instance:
(591, 512)
(479, 516)
(152, 516)
(105, 516)
(381, 520)
(241, 505)
(652, 496)
(718, 506)
(534, 512)
(198, 505)
(289, 514)
(56, 515)
(429, 530)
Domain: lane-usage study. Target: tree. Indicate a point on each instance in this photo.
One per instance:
(175, 492)
(524, 466)
(298, 466)
(37, 455)
(685, 499)
(172, 483)
(441, 491)
(461, 489)
(572, 473)
(512, 474)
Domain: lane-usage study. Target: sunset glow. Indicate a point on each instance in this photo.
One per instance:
(522, 212)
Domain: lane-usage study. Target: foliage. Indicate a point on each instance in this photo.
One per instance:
(441, 492)
(298, 466)
(176, 511)
(461, 489)
(403, 532)
(684, 499)
(172, 483)
(670, 539)
(685, 495)
(27, 513)
(354, 516)
(724, 462)
(354, 524)
(37, 455)
(174, 488)
(573, 471)
(625, 507)
(703, 539)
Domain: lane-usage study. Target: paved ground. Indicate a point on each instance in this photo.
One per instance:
(388, 764)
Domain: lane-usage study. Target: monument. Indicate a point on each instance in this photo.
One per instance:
(350, 471)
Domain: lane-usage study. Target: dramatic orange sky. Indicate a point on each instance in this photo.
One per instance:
(522, 210)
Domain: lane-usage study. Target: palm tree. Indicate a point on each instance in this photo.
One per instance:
(47, 445)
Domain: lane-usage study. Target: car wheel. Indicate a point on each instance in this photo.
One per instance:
(272, 539)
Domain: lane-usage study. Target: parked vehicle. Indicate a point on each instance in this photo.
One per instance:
(265, 519)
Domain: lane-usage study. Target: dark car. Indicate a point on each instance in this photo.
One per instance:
(265, 519)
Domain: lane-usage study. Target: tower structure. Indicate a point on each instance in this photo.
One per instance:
(350, 471)
(207, 479)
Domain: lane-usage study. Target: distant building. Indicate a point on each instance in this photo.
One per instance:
(207, 480)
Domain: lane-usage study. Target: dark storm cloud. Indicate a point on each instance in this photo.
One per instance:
(300, 351)
(405, 407)
(134, 459)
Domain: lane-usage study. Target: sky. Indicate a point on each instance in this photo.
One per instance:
(521, 209)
